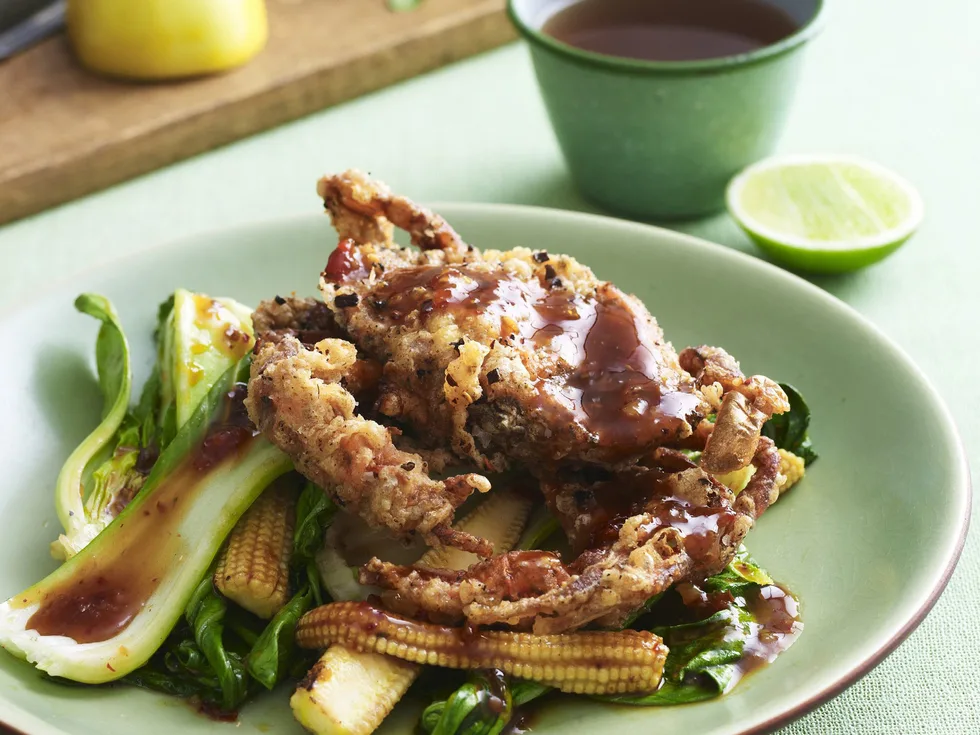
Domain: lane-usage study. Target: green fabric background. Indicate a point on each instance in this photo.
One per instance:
(895, 80)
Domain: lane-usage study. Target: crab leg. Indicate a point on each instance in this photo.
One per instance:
(296, 399)
(692, 532)
(747, 404)
(364, 210)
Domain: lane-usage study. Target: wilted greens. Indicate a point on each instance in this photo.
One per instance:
(484, 705)
(100, 459)
(789, 430)
(707, 653)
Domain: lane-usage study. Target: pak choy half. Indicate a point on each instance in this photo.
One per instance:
(103, 613)
(198, 339)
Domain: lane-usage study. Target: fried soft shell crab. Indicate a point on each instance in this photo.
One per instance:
(519, 360)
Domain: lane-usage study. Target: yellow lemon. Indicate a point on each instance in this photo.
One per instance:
(166, 39)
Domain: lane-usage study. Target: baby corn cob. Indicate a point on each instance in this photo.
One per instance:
(254, 566)
(791, 468)
(350, 692)
(593, 662)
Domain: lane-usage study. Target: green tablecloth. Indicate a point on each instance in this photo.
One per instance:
(890, 79)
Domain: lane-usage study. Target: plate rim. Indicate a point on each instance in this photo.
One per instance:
(963, 489)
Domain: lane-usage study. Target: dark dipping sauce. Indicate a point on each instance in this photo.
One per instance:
(670, 30)
(617, 389)
(104, 592)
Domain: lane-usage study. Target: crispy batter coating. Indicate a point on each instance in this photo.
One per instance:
(297, 400)
(293, 313)
(517, 355)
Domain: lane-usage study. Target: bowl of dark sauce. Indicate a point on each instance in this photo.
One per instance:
(656, 104)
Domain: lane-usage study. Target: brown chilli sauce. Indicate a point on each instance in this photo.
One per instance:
(608, 504)
(104, 593)
(775, 623)
(346, 264)
(618, 388)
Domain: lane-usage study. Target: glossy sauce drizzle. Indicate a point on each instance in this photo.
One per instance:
(615, 386)
(105, 591)
(778, 625)
(776, 622)
(604, 507)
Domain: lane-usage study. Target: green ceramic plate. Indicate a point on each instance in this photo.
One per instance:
(868, 540)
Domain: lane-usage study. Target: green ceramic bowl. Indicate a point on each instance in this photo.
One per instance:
(660, 140)
(867, 540)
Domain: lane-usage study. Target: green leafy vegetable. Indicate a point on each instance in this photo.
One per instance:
(273, 654)
(523, 691)
(115, 380)
(640, 612)
(704, 654)
(789, 430)
(205, 614)
(221, 494)
(208, 335)
(541, 527)
(180, 667)
(739, 576)
(314, 512)
(224, 666)
(482, 706)
(702, 660)
(105, 472)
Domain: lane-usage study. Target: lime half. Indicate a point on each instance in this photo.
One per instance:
(825, 214)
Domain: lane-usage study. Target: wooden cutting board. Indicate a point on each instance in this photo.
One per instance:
(65, 132)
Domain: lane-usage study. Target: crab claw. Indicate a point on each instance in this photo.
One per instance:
(735, 437)
(365, 210)
(747, 404)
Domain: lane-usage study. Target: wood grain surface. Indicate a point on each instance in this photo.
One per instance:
(65, 132)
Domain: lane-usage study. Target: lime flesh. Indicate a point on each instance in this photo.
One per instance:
(824, 213)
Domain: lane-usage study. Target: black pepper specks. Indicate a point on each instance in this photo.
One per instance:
(426, 306)
(280, 300)
(458, 343)
(549, 272)
(408, 466)
(346, 300)
(557, 283)
(541, 256)
(451, 380)
(493, 377)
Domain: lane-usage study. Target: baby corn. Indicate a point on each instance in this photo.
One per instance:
(350, 692)
(792, 468)
(592, 662)
(254, 567)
